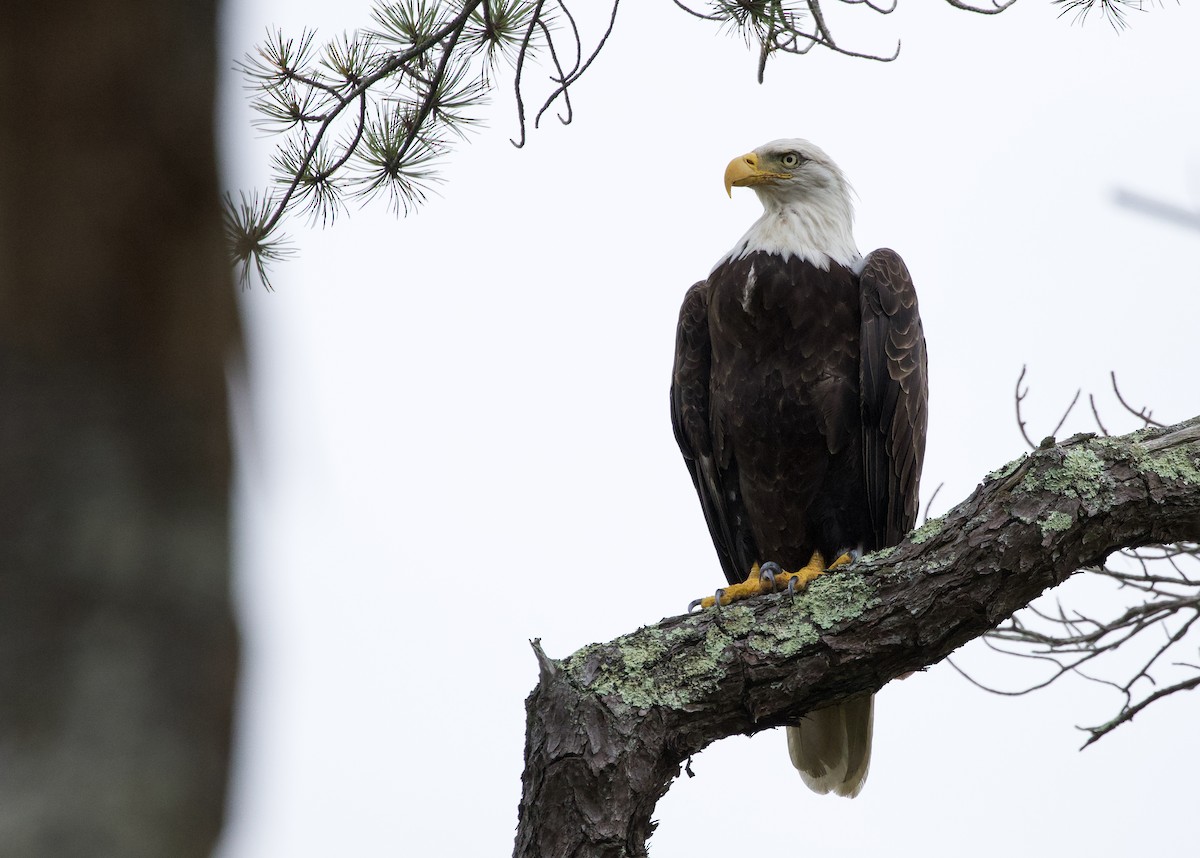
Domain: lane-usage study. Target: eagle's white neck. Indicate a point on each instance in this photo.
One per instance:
(817, 227)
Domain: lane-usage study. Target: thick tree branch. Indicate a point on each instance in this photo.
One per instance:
(609, 726)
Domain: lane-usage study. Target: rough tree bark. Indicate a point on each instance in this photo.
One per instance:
(118, 652)
(609, 726)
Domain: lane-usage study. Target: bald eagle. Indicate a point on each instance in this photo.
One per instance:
(798, 399)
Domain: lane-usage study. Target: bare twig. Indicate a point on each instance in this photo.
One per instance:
(566, 81)
(1140, 413)
(995, 9)
(1127, 714)
(1167, 588)
(1066, 413)
(1163, 211)
(1096, 415)
(1019, 397)
(929, 503)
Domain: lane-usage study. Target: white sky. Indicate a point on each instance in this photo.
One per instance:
(458, 435)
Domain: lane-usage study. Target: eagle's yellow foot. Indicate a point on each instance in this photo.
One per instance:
(752, 586)
(793, 581)
(769, 578)
(844, 560)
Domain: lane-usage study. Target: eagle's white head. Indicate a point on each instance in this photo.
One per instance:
(806, 204)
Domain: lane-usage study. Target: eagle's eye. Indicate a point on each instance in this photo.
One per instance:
(790, 159)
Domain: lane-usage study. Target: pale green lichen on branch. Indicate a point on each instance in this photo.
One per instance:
(832, 599)
(1055, 522)
(1081, 474)
(881, 554)
(829, 600)
(627, 670)
(1173, 463)
(928, 530)
(675, 667)
(1005, 470)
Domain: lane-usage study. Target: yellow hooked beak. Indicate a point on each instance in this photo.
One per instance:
(743, 171)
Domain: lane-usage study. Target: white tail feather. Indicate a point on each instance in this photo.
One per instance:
(831, 748)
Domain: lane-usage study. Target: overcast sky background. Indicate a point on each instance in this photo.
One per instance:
(457, 438)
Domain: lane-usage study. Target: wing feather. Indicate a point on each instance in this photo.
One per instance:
(691, 418)
(895, 395)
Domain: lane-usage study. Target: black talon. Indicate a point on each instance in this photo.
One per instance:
(692, 605)
(768, 571)
(791, 590)
(852, 553)
(717, 599)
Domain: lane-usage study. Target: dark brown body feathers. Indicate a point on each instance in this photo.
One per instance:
(799, 403)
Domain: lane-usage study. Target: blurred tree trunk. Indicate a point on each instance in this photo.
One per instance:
(118, 651)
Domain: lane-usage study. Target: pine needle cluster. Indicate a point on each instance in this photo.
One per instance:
(1115, 12)
(367, 115)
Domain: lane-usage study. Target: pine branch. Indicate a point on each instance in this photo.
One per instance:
(395, 92)
(398, 93)
(370, 113)
(610, 726)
